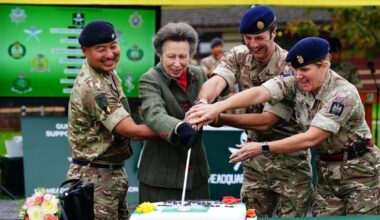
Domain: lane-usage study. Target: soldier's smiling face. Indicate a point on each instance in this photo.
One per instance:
(310, 77)
(175, 57)
(103, 57)
(261, 45)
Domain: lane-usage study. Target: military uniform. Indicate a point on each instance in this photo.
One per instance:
(349, 72)
(277, 182)
(97, 104)
(347, 184)
(162, 166)
(209, 64)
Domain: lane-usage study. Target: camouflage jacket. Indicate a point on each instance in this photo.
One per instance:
(164, 104)
(239, 66)
(349, 72)
(97, 104)
(336, 108)
(209, 64)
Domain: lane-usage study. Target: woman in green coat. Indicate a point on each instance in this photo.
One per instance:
(167, 92)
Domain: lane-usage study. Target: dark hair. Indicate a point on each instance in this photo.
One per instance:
(179, 31)
(272, 28)
(335, 44)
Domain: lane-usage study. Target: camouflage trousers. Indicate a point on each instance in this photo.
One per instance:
(110, 190)
(279, 184)
(350, 187)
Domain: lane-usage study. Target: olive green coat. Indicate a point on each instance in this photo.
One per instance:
(164, 104)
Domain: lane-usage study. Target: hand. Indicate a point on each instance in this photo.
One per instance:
(246, 151)
(186, 134)
(203, 114)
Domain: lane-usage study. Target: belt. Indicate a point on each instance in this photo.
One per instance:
(353, 152)
(98, 165)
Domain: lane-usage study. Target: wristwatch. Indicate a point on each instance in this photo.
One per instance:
(265, 149)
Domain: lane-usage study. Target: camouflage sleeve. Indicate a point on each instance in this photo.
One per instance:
(203, 63)
(281, 87)
(228, 69)
(154, 108)
(280, 109)
(337, 111)
(105, 106)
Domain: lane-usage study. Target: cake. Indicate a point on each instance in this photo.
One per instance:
(192, 210)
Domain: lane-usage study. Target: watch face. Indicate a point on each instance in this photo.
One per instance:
(265, 149)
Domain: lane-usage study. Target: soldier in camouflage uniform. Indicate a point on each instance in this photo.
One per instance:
(211, 62)
(331, 115)
(342, 67)
(277, 183)
(167, 91)
(99, 123)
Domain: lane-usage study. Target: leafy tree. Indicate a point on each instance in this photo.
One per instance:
(359, 29)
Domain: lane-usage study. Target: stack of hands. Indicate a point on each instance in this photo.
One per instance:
(203, 114)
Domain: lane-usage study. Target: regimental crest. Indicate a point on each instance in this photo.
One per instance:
(22, 84)
(260, 25)
(17, 15)
(135, 53)
(135, 20)
(101, 101)
(337, 108)
(78, 19)
(33, 33)
(16, 50)
(300, 59)
(40, 64)
(128, 82)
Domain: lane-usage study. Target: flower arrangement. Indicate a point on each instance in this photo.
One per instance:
(230, 200)
(251, 213)
(145, 207)
(42, 205)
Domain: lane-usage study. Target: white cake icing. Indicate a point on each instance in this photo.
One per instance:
(194, 210)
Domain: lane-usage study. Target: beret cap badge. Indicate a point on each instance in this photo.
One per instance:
(260, 25)
(300, 59)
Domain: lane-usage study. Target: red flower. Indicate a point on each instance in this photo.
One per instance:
(38, 200)
(230, 200)
(50, 217)
(251, 213)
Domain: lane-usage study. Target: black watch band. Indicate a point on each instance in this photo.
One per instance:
(265, 149)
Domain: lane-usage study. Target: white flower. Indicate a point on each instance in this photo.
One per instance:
(48, 196)
(35, 213)
(50, 206)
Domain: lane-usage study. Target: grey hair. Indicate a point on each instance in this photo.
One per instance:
(179, 31)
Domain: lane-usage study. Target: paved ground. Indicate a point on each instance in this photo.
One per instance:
(9, 209)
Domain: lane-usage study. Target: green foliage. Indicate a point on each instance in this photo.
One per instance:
(301, 28)
(359, 28)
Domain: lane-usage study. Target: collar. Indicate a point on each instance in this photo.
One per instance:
(93, 71)
(168, 79)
